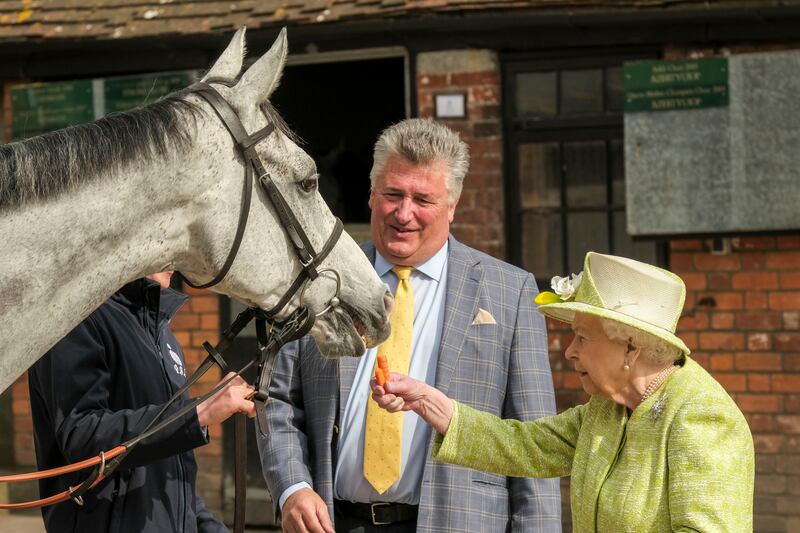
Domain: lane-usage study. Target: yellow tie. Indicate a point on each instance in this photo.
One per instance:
(384, 431)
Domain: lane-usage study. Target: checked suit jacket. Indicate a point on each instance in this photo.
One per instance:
(502, 368)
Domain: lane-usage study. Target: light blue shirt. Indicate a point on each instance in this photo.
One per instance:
(429, 281)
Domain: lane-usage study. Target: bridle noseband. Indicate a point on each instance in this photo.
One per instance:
(309, 258)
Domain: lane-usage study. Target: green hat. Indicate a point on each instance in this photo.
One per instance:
(642, 296)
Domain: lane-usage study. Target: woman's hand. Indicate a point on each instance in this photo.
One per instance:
(403, 393)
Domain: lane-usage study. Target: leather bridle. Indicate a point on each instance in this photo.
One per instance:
(309, 259)
(271, 331)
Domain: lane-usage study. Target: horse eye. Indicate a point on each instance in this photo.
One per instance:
(309, 184)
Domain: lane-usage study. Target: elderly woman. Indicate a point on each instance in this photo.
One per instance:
(660, 446)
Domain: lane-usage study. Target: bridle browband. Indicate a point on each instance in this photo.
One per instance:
(270, 339)
(309, 259)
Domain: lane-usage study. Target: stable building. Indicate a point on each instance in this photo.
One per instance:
(655, 129)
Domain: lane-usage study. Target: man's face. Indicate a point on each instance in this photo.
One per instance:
(411, 211)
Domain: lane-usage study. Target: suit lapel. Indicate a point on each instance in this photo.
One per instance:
(461, 303)
(347, 373)
(349, 365)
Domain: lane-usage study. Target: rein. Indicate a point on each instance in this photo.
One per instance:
(272, 333)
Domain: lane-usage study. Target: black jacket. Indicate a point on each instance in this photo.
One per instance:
(100, 386)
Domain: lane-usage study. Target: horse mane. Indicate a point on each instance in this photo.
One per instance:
(45, 166)
(48, 165)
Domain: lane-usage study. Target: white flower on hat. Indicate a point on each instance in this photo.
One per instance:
(566, 286)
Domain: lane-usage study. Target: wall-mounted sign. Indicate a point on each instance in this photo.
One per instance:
(676, 85)
(450, 105)
(40, 107)
(723, 170)
(122, 94)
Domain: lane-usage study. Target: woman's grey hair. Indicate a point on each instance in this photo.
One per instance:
(424, 141)
(654, 350)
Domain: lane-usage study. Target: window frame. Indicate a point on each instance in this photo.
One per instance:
(606, 126)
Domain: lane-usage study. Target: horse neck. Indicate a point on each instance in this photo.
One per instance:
(65, 256)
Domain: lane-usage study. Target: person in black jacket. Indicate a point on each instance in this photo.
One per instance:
(99, 387)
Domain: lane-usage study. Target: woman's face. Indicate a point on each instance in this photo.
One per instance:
(597, 359)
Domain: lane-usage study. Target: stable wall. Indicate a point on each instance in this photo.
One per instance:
(748, 338)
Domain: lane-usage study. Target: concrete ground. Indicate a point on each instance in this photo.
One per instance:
(24, 522)
(21, 522)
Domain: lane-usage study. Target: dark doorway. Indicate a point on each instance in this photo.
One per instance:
(338, 109)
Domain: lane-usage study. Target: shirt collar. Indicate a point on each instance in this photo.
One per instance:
(432, 268)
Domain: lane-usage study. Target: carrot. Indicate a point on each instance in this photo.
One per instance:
(382, 370)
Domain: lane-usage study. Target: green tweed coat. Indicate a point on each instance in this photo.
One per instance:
(681, 461)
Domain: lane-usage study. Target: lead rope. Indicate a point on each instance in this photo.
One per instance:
(107, 462)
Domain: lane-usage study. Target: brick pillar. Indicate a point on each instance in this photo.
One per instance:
(199, 321)
(743, 325)
(479, 219)
(24, 451)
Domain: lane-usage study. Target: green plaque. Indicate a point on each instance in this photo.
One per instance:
(128, 92)
(676, 85)
(42, 107)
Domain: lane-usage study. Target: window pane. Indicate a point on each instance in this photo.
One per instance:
(614, 91)
(542, 244)
(617, 168)
(581, 91)
(586, 232)
(536, 94)
(538, 175)
(627, 247)
(585, 172)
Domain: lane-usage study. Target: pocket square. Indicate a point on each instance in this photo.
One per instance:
(483, 317)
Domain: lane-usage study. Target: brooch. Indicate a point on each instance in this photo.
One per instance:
(658, 407)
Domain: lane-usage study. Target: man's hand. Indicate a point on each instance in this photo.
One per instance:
(231, 399)
(305, 512)
(403, 393)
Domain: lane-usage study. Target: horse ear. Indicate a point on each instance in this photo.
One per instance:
(229, 64)
(262, 77)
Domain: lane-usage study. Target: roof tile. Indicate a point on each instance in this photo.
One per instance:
(23, 20)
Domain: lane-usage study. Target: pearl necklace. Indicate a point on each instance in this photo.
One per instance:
(657, 381)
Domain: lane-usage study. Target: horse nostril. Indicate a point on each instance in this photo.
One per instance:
(388, 302)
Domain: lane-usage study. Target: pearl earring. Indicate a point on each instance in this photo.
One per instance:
(626, 366)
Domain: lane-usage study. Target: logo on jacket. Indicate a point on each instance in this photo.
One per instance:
(178, 362)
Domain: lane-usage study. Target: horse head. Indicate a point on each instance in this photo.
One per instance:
(350, 300)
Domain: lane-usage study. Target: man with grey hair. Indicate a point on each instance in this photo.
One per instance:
(463, 321)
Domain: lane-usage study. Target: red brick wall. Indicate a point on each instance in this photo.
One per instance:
(743, 325)
(199, 321)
